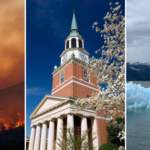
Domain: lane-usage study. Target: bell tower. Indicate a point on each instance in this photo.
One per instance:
(70, 79)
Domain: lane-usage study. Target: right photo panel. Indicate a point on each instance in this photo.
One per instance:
(138, 75)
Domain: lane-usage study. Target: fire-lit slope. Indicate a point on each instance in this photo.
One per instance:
(12, 107)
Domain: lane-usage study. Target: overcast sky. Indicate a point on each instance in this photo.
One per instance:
(138, 30)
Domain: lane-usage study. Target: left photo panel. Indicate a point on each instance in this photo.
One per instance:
(12, 74)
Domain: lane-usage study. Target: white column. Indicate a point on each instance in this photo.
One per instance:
(32, 136)
(37, 138)
(59, 131)
(82, 44)
(69, 43)
(65, 44)
(44, 137)
(84, 129)
(70, 121)
(70, 125)
(51, 135)
(95, 133)
(77, 41)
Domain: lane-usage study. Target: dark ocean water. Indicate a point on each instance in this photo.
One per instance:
(138, 126)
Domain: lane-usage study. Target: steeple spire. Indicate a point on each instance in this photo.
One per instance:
(74, 25)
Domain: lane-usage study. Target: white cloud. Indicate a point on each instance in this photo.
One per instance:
(138, 30)
(37, 91)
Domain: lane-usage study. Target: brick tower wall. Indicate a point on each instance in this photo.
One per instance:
(80, 89)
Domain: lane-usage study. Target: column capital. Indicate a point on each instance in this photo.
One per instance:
(51, 119)
(44, 122)
(39, 124)
(84, 116)
(33, 125)
(70, 113)
(60, 117)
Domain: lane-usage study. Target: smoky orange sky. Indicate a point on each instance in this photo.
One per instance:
(11, 42)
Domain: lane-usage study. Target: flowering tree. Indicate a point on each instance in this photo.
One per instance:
(72, 139)
(110, 67)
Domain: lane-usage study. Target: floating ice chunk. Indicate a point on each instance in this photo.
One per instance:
(148, 106)
(135, 105)
(137, 96)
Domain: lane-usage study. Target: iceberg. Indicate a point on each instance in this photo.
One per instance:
(137, 96)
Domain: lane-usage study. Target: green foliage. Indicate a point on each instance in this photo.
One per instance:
(108, 146)
(71, 139)
(113, 128)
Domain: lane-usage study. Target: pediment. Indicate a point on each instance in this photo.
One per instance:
(49, 101)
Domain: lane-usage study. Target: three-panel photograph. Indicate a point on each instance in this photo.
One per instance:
(74, 75)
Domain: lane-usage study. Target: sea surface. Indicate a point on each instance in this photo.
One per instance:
(138, 125)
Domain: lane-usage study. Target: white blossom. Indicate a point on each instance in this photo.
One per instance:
(110, 67)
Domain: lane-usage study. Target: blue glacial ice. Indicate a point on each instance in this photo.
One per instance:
(137, 96)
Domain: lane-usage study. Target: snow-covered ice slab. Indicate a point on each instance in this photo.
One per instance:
(137, 96)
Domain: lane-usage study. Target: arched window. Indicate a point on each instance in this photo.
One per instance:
(80, 43)
(86, 76)
(62, 77)
(67, 44)
(73, 43)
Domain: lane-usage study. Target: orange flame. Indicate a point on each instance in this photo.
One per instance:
(5, 125)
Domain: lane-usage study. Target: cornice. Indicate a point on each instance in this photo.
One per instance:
(90, 84)
(73, 81)
(74, 49)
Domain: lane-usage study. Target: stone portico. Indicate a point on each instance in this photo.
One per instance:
(51, 115)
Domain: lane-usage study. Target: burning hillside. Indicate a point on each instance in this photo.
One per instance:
(12, 107)
(12, 123)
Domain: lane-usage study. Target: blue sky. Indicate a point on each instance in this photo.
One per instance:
(48, 24)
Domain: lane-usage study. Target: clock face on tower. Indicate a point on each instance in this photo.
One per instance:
(64, 58)
(83, 56)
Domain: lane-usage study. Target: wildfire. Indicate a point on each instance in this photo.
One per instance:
(16, 122)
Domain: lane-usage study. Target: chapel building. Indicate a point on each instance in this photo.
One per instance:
(70, 82)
